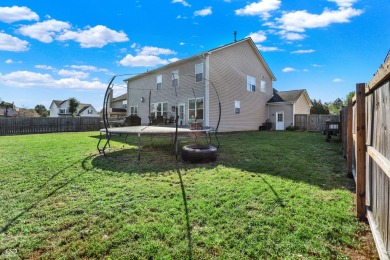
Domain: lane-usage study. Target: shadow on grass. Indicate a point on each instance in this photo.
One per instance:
(301, 157)
(50, 192)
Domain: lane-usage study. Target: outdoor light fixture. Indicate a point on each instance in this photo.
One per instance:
(142, 99)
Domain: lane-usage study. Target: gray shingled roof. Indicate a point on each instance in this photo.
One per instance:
(286, 96)
(121, 97)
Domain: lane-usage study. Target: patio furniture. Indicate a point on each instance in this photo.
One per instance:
(132, 120)
(160, 120)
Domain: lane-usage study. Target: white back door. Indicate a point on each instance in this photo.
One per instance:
(279, 121)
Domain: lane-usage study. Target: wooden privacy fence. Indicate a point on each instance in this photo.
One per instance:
(313, 122)
(367, 120)
(34, 125)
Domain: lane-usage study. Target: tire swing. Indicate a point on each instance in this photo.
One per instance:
(201, 153)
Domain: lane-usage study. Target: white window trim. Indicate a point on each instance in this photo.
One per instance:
(196, 109)
(197, 71)
(154, 113)
(175, 75)
(237, 107)
(249, 83)
(159, 81)
(135, 110)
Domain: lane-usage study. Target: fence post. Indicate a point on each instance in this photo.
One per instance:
(361, 151)
(349, 139)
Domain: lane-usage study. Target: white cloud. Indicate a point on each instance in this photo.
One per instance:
(182, 43)
(204, 12)
(266, 49)
(73, 74)
(45, 67)
(25, 79)
(343, 3)
(17, 13)
(288, 69)
(149, 50)
(302, 51)
(298, 21)
(181, 2)
(10, 43)
(173, 60)
(261, 8)
(97, 36)
(337, 80)
(291, 36)
(88, 68)
(44, 31)
(258, 36)
(142, 61)
(9, 61)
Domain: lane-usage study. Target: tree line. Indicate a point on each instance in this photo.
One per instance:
(332, 108)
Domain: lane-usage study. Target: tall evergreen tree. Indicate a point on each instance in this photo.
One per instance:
(318, 107)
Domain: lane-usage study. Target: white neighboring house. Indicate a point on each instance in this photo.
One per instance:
(60, 108)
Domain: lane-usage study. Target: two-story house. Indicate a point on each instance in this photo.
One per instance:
(61, 108)
(234, 75)
(117, 106)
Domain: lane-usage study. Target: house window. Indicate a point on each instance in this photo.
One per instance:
(195, 109)
(263, 85)
(134, 110)
(237, 107)
(124, 103)
(250, 83)
(159, 109)
(90, 111)
(159, 82)
(175, 78)
(63, 111)
(199, 72)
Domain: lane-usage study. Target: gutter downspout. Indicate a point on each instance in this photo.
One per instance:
(207, 88)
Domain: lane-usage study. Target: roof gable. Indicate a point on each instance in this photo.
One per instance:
(121, 97)
(202, 54)
(291, 96)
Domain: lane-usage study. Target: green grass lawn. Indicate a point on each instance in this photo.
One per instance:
(269, 195)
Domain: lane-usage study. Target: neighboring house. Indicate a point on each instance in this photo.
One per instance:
(60, 108)
(9, 110)
(117, 106)
(284, 105)
(237, 70)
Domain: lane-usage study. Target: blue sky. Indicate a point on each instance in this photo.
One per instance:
(60, 49)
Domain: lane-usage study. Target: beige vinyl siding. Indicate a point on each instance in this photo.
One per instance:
(140, 86)
(302, 106)
(117, 104)
(281, 107)
(229, 68)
